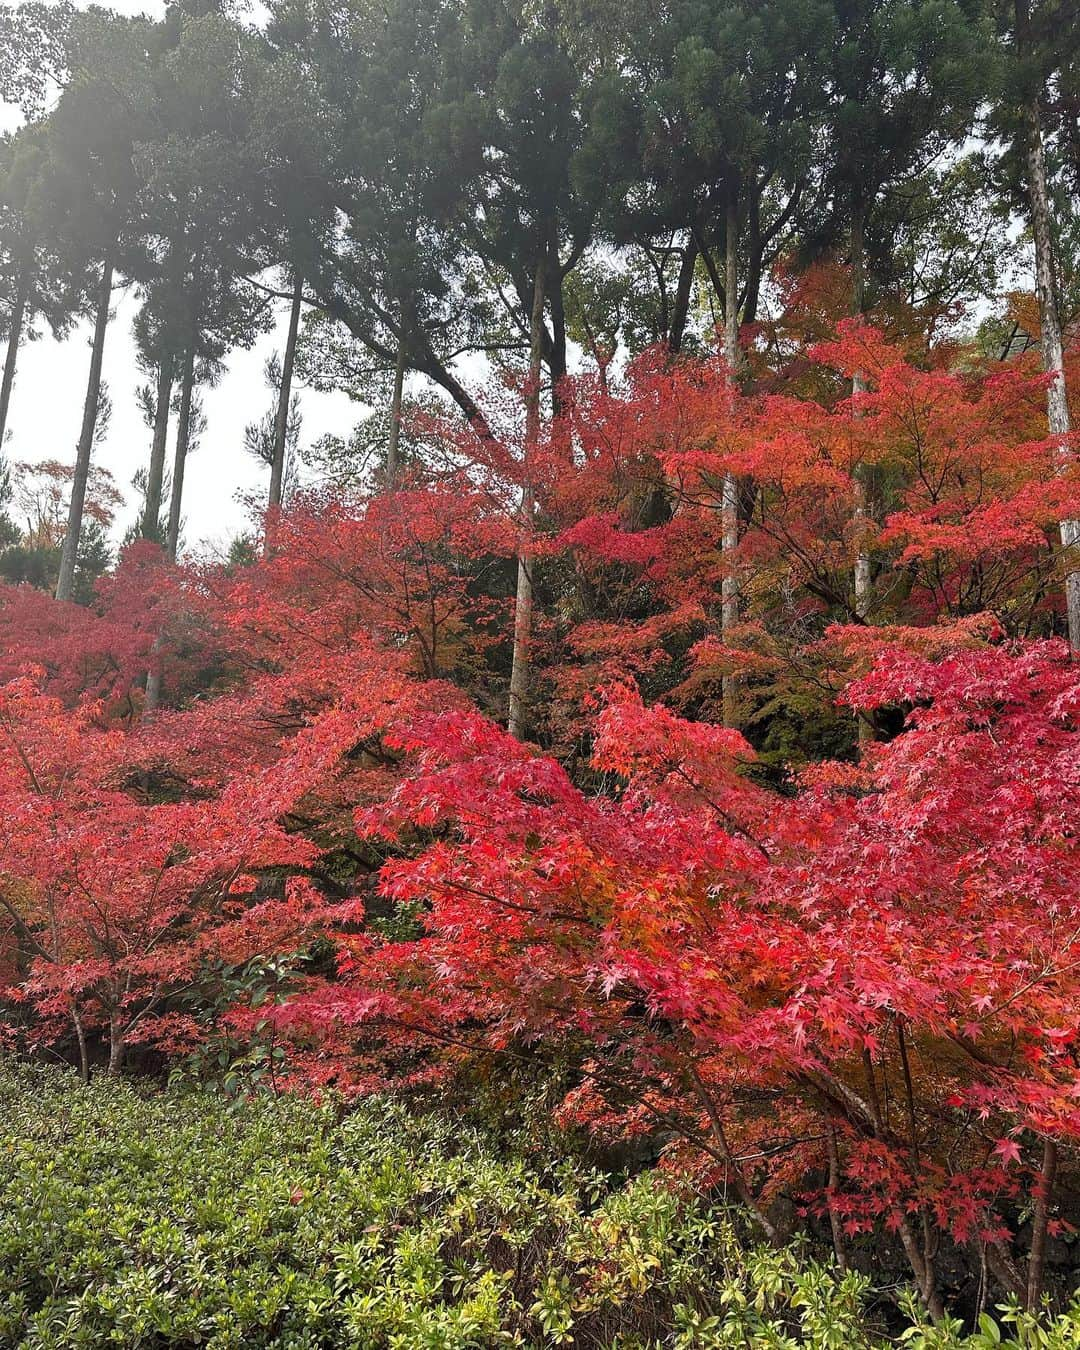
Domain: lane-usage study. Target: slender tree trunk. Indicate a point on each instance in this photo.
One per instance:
(14, 338)
(734, 1167)
(1057, 406)
(523, 606)
(152, 515)
(1044, 1199)
(858, 386)
(80, 1037)
(729, 509)
(863, 578)
(393, 442)
(183, 437)
(151, 521)
(835, 1221)
(281, 421)
(66, 582)
(554, 287)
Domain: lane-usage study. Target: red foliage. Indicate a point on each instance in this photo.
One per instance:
(893, 954)
(769, 959)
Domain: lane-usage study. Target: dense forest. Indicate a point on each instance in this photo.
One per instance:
(634, 773)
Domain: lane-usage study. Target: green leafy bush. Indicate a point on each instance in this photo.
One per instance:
(176, 1219)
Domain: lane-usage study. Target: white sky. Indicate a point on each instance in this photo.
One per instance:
(50, 382)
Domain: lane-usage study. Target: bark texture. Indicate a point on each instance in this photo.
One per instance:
(517, 722)
(281, 419)
(150, 526)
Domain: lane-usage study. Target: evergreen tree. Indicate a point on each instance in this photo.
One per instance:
(290, 140)
(90, 193)
(199, 213)
(401, 155)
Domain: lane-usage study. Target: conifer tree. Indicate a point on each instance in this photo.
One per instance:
(92, 191)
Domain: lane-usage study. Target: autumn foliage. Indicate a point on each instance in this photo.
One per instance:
(807, 966)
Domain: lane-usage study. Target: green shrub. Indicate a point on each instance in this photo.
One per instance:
(177, 1220)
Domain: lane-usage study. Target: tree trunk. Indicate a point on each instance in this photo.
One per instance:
(858, 386)
(393, 442)
(1057, 407)
(183, 437)
(151, 524)
(116, 1045)
(152, 700)
(835, 1221)
(863, 593)
(66, 582)
(715, 279)
(729, 509)
(1000, 1263)
(922, 1267)
(1044, 1199)
(80, 1037)
(755, 251)
(152, 515)
(151, 521)
(683, 290)
(558, 329)
(519, 671)
(14, 338)
(281, 421)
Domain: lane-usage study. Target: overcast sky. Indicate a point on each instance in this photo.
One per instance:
(46, 406)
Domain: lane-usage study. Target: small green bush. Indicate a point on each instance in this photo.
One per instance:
(177, 1220)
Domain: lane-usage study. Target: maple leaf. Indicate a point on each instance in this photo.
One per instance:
(1008, 1150)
